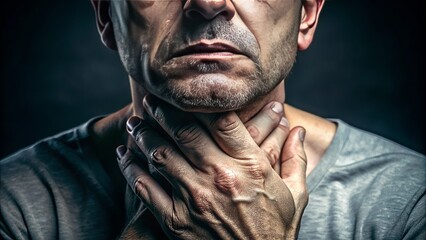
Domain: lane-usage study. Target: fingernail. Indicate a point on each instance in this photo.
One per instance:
(302, 134)
(132, 123)
(148, 101)
(277, 107)
(121, 151)
(145, 102)
(284, 122)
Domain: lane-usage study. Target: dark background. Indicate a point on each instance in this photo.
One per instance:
(366, 66)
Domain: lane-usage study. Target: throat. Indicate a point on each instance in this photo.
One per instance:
(319, 134)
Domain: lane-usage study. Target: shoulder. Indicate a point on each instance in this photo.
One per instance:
(368, 185)
(55, 184)
(28, 178)
(372, 159)
(40, 156)
(44, 159)
(358, 146)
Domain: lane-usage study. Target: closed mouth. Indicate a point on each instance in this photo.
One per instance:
(206, 49)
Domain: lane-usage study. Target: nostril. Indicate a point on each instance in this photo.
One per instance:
(196, 15)
(208, 9)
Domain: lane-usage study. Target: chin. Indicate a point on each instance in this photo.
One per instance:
(209, 93)
(194, 105)
(207, 87)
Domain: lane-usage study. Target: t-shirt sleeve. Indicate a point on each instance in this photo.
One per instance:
(52, 191)
(416, 224)
(11, 221)
(28, 202)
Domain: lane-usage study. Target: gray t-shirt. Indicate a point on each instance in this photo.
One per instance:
(365, 187)
(56, 189)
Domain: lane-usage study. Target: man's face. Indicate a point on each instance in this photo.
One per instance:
(207, 55)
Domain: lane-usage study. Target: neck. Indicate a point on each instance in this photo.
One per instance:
(110, 131)
(319, 133)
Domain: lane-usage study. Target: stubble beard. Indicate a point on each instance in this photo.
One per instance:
(207, 93)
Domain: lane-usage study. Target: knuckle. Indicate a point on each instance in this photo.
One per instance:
(273, 154)
(132, 157)
(139, 187)
(227, 124)
(302, 158)
(226, 180)
(295, 160)
(175, 225)
(187, 134)
(161, 155)
(139, 133)
(258, 170)
(202, 200)
(126, 161)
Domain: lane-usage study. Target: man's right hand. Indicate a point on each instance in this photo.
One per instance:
(267, 208)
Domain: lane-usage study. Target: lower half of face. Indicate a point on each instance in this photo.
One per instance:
(218, 82)
(211, 81)
(215, 82)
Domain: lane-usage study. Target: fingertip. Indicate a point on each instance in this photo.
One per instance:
(254, 132)
(120, 151)
(132, 123)
(284, 122)
(277, 107)
(302, 134)
(147, 101)
(296, 137)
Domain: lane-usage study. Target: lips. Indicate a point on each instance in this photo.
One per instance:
(207, 49)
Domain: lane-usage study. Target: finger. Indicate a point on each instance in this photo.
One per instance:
(190, 137)
(274, 143)
(261, 125)
(161, 153)
(293, 170)
(230, 134)
(294, 162)
(143, 185)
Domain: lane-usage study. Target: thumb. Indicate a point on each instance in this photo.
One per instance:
(293, 164)
(293, 172)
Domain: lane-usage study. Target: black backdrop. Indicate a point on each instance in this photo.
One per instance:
(366, 66)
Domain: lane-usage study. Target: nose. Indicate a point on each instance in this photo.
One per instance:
(209, 9)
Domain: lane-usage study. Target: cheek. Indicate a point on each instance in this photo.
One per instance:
(160, 17)
(144, 22)
(274, 23)
(139, 26)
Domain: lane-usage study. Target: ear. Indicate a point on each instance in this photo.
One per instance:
(309, 19)
(103, 20)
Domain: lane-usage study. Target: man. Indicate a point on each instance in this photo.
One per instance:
(218, 156)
